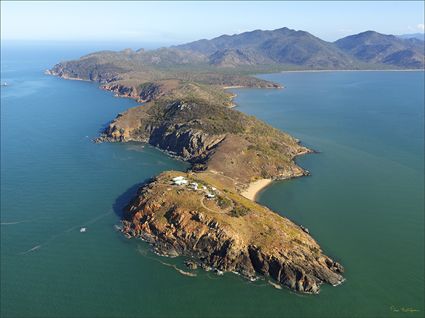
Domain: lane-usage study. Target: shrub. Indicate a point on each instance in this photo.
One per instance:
(238, 211)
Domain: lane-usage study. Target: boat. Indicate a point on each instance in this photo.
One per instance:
(83, 229)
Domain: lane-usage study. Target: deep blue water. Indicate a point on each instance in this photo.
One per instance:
(363, 203)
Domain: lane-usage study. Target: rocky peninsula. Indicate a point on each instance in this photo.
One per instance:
(207, 214)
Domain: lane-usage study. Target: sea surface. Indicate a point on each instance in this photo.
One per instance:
(363, 202)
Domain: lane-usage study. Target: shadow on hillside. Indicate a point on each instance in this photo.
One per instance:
(104, 126)
(125, 198)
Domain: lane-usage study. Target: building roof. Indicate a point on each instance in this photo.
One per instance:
(178, 178)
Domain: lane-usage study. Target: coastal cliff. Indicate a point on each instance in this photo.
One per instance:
(227, 233)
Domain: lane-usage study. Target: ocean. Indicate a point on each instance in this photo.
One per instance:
(363, 202)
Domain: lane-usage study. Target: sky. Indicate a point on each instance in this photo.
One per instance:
(177, 22)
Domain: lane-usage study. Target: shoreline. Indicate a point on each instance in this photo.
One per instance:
(375, 70)
(254, 189)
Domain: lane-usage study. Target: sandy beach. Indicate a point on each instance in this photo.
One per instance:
(255, 187)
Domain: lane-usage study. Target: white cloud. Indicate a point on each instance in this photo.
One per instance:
(421, 27)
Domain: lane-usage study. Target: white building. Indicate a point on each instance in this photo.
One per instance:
(180, 182)
(179, 178)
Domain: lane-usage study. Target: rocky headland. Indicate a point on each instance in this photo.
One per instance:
(215, 227)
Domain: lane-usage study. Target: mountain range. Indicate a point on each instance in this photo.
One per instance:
(419, 36)
(302, 49)
(373, 47)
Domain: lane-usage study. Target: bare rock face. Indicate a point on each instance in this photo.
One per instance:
(145, 92)
(190, 144)
(121, 90)
(123, 127)
(87, 69)
(260, 243)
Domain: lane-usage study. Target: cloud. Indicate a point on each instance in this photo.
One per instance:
(421, 27)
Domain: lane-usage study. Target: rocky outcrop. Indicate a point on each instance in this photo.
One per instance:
(123, 128)
(121, 90)
(142, 93)
(259, 243)
(190, 144)
(150, 91)
(88, 70)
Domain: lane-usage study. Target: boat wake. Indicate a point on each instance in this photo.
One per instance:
(31, 249)
(83, 225)
(12, 223)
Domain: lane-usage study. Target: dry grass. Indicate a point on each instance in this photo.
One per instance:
(260, 226)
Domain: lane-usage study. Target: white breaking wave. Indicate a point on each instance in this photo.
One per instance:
(185, 273)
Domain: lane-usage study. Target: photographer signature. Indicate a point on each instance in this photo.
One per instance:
(403, 309)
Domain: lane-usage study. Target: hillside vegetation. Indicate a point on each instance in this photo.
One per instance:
(211, 137)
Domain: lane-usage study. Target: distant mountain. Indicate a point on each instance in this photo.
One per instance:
(419, 36)
(281, 46)
(300, 49)
(376, 48)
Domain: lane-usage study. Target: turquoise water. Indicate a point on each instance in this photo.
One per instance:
(363, 202)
